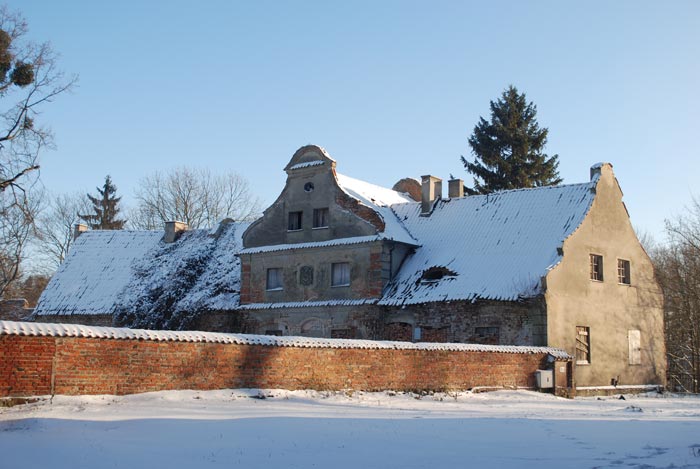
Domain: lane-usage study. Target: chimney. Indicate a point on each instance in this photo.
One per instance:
(173, 229)
(78, 229)
(597, 169)
(431, 190)
(455, 188)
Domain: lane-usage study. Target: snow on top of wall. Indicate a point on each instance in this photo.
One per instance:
(312, 244)
(379, 199)
(95, 271)
(309, 304)
(76, 330)
(499, 245)
(307, 164)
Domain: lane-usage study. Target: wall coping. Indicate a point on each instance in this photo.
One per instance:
(95, 332)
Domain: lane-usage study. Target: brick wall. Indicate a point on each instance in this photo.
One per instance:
(31, 365)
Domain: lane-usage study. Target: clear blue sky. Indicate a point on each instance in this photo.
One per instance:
(391, 89)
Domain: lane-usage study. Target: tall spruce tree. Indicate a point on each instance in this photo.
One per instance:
(106, 208)
(508, 149)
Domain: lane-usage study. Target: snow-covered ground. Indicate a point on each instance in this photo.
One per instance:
(274, 429)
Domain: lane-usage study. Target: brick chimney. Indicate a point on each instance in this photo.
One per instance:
(431, 190)
(173, 229)
(78, 229)
(455, 188)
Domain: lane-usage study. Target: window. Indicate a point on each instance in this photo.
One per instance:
(294, 221)
(583, 345)
(635, 347)
(596, 267)
(274, 279)
(340, 274)
(487, 335)
(321, 218)
(623, 272)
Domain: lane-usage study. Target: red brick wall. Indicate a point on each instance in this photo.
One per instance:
(108, 366)
(25, 365)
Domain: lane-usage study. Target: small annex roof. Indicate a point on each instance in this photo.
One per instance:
(380, 199)
(95, 271)
(495, 246)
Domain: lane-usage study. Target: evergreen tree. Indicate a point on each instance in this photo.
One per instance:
(508, 149)
(106, 209)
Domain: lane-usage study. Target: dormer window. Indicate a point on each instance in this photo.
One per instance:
(435, 274)
(294, 223)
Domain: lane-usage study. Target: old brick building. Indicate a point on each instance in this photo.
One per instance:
(338, 257)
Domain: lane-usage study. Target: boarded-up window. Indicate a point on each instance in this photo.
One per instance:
(583, 345)
(635, 345)
(487, 335)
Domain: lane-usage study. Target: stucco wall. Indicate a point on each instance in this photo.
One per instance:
(608, 308)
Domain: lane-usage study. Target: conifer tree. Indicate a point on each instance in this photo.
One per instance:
(106, 208)
(508, 149)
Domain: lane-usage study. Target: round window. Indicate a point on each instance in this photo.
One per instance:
(309, 186)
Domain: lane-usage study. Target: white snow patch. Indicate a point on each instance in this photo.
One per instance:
(307, 164)
(257, 428)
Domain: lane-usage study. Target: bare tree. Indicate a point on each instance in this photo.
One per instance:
(194, 196)
(55, 226)
(16, 230)
(29, 80)
(678, 271)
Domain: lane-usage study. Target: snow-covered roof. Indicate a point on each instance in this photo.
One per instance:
(95, 271)
(495, 246)
(381, 200)
(136, 273)
(76, 330)
(313, 244)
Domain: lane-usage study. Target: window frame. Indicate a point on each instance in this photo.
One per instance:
(317, 217)
(344, 274)
(279, 277)
(596, 267)
(583, 346)
(624, 272)
(297, 217)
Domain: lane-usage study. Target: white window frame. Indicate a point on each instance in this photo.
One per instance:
(274, 279)
(340, 274)
(624, 272)
(596, 274)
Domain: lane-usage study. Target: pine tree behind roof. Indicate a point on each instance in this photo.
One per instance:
(508, 149)
(106, 208)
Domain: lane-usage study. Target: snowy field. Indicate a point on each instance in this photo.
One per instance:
(280, 429)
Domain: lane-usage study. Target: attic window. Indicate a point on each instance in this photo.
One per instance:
(309, 187)
(435, 274)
